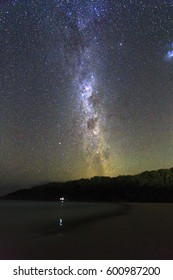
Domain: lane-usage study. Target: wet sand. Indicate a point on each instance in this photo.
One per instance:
(50, 230)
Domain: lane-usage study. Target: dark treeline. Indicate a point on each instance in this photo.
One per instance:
(153, 186)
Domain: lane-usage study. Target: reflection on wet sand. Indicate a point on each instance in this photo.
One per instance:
(79, 219)
(60, 222)
(48, 230)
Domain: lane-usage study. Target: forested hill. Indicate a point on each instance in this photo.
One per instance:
(149, 186)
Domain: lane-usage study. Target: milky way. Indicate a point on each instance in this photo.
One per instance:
(86, 89)
(92, 117)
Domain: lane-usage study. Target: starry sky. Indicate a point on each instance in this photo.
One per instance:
(86, 89)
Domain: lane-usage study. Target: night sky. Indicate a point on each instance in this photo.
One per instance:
(86, 89)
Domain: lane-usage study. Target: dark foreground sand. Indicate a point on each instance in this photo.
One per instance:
(33, 230)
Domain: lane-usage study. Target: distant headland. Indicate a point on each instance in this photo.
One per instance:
(149, 186)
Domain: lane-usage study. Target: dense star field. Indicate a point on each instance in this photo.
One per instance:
(86, 88)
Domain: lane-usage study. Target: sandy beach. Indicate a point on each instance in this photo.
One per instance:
(50, 230)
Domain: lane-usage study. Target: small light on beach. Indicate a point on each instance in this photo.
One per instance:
(61, 199)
